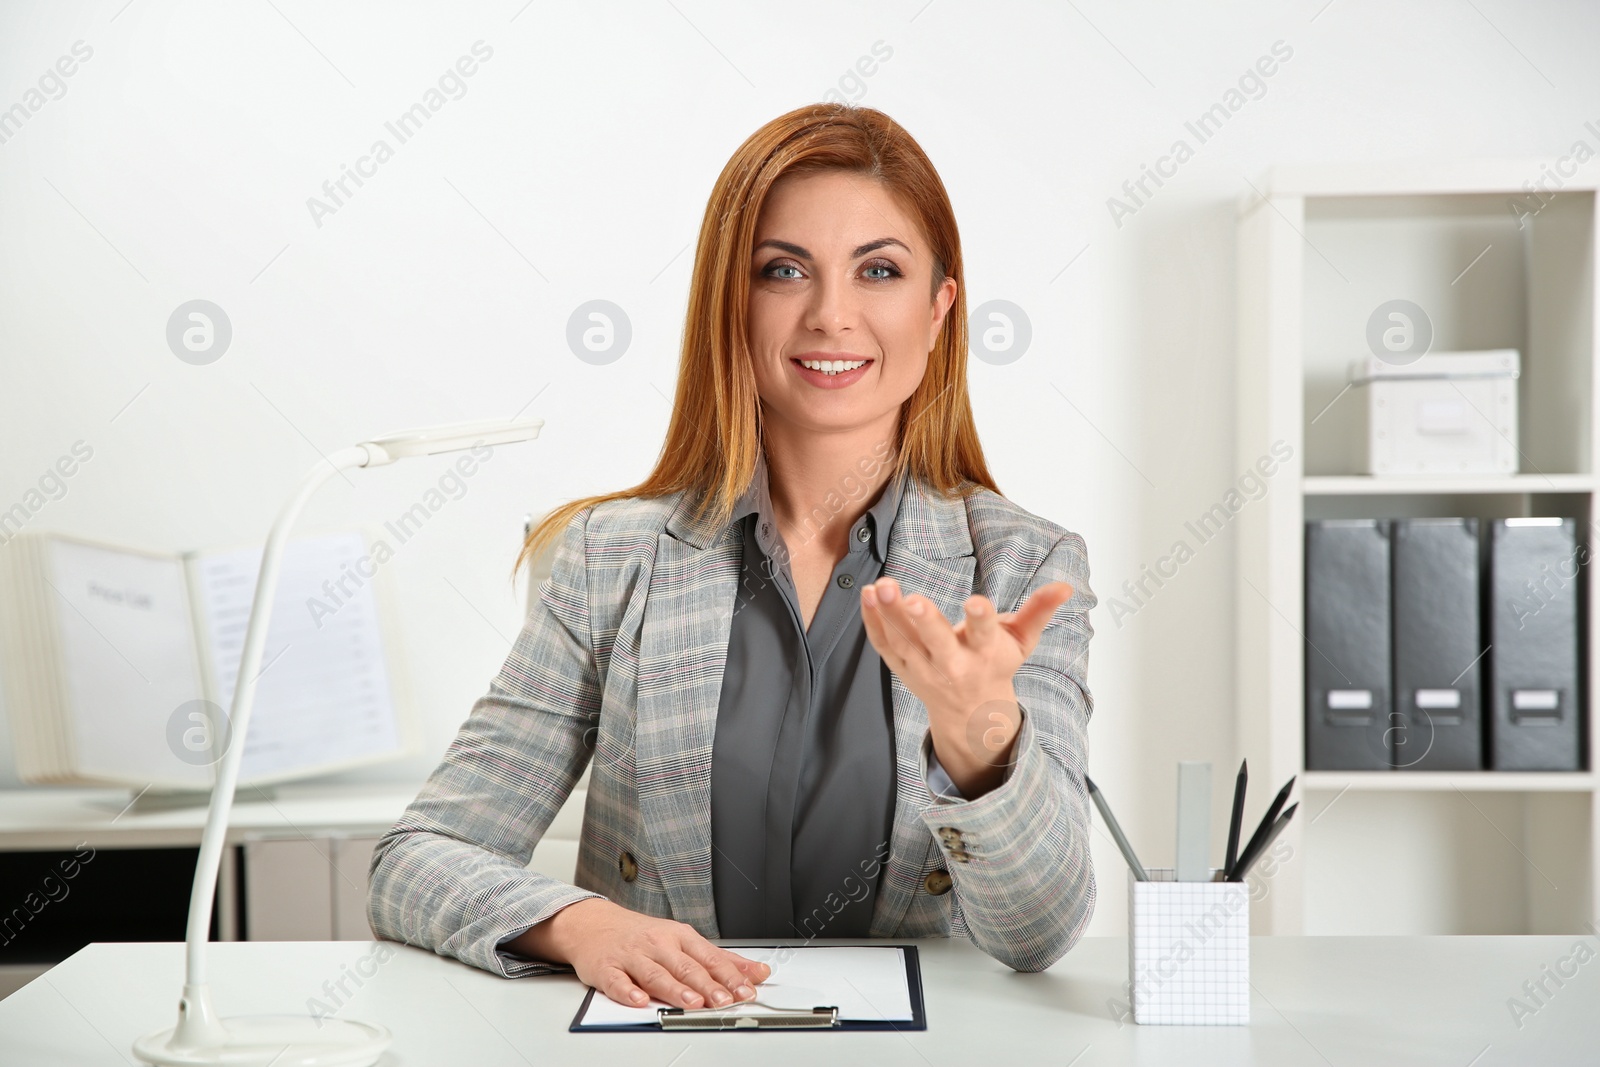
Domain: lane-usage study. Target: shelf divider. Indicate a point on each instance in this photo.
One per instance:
(1366, 485)
(1444, 781)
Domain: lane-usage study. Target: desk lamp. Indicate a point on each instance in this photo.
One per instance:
(201, 1037)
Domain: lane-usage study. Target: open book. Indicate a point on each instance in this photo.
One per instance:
(120, 664)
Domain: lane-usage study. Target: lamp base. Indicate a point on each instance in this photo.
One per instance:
(278, 1040)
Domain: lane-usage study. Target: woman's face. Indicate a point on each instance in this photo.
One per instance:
(840, 273)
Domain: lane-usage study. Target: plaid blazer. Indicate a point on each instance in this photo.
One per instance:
(621, 660)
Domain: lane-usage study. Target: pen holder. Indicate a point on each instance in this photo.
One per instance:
(1188, 950)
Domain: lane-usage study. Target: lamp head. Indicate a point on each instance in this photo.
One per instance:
(453, 438)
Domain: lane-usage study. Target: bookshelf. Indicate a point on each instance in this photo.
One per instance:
(1319, 248)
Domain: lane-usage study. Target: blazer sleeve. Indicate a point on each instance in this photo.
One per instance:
(1018, 856)
(451, 875)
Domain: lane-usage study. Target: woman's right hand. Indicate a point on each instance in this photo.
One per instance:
(630, 957)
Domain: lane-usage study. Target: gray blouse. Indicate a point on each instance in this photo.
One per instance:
(803, 762)
(802, 769)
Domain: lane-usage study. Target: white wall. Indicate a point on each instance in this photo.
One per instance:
(178, 163)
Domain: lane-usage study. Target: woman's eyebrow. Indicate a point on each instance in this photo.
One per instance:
(796, 250)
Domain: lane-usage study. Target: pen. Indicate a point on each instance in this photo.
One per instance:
(1232, 856)
(1116, 831)
(1249, 858)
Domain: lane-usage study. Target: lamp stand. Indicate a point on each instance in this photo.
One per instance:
(201, 1037)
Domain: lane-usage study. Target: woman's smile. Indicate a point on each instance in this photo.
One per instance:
(830, 370)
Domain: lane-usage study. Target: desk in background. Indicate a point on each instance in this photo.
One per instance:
(1317, 1001)
(295, 868)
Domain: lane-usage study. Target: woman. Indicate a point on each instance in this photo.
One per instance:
(789, 739)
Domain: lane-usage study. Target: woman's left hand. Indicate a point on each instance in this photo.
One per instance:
(962, 673)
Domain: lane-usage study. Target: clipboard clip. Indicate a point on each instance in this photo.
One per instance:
(771, 1018)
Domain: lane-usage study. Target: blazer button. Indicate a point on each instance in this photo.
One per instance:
(626, 864)
(937, 882)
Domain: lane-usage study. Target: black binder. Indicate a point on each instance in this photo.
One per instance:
(1348, 680)
(1438, 646)
(1536, 695)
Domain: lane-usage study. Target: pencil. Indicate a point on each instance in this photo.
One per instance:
(1232, 856)
(1249, 858)
(1116, 831)
(1267, 822)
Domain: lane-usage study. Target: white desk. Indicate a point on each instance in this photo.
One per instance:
(63, 818)
(1318, 1001)
(313, 843)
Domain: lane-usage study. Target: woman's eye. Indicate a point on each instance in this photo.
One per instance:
(888, 270)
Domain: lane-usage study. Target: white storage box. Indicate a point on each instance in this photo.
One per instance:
(1188, 950)
(1445, 413)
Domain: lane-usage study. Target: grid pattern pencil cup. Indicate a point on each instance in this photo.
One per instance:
(1188, 950)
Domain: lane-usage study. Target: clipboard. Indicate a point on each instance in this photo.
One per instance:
(749, 1016)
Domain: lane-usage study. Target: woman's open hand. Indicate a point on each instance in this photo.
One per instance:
(630, 956)
(962, 673)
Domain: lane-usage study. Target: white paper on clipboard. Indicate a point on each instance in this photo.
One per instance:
(865, 982)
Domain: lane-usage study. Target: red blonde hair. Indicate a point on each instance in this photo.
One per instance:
(712, 442)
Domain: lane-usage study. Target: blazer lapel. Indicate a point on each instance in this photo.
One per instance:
(683, 649)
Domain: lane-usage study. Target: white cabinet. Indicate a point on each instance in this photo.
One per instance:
(349, 859)
(315, 888)
(288, 890)
(306, 889)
